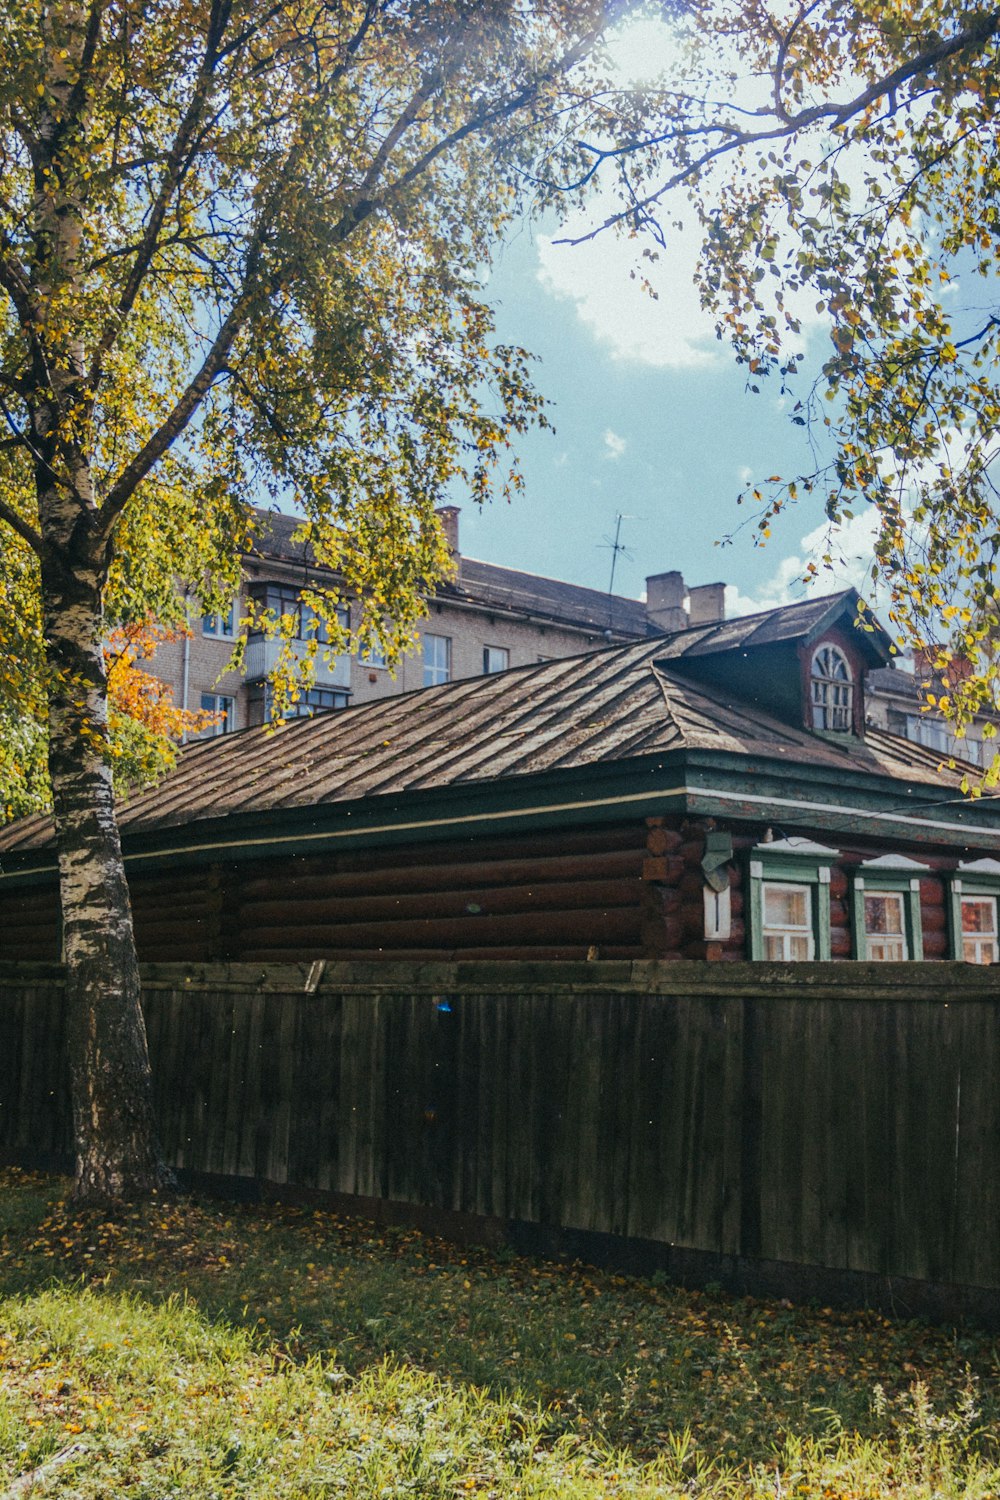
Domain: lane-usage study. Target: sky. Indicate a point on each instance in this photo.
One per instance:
(653, 422)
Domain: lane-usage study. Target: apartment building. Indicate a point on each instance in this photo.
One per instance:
(896, 698)
(486, 619)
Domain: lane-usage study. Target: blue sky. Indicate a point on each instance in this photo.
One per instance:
(653, 420)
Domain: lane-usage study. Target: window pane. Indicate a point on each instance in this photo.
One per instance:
(979, 914)
(886, 950)
(786, 906)
(216, 703)
(884, 913)
(495, 658)
(831, 690)
(437, 659)
(800, 949)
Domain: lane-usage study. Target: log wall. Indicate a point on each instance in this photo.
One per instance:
(626, 891)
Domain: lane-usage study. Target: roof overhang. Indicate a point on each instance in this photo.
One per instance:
(704, 783)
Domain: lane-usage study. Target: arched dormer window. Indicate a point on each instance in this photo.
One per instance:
(831, 687)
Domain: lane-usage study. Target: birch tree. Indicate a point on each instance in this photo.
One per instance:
(841, 158)
(241, 244)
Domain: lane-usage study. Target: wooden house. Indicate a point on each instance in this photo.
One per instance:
(709, 794)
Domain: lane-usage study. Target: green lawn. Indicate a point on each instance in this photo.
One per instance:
(192, 1349)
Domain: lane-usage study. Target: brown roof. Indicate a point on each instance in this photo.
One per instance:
(600, 707)
(546, 598)
(801, 621)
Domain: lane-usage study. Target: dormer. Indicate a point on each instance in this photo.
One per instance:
(804, 663)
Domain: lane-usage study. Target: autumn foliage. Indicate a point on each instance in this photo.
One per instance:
(142, 705)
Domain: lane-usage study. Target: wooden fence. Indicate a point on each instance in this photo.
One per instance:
(822, 1127)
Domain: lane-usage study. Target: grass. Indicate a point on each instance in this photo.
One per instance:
(191, 1349)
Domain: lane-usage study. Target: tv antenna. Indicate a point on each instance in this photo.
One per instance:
(618, 549)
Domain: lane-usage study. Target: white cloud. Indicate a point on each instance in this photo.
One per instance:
(744, 473)
(614, 445)
(851, 551)
(670, 331)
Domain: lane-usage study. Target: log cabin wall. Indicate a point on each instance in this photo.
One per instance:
(30, 924)
(560, 894)
(609, 891)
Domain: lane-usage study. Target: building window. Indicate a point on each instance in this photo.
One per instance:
(216, 703)
(437, 659)
(315, 701)
(979, 929)
(790, 900)
(887, 926)
(974, 892)
(373, 656)
(923, 730)
(223, 626)
(283, 600)
(495, 658)
(787, 922)
(831, 690)
(884, 926)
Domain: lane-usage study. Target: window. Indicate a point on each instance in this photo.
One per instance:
(314, 701)
(790, 900)
(437, 659)
(216, 703)
(374, 656)
(495, 658)
(283, 599)
(887, 926)
(975, 888)
(924, 730)
(979, 929)
(787, 922)
(223, 626)
(831, 690)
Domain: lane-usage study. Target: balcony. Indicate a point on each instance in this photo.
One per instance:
(262, 658)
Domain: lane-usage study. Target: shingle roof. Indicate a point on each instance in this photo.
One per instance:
(605, 706)
(546, 598)
(768, 627)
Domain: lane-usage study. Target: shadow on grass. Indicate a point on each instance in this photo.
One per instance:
(614, 1359)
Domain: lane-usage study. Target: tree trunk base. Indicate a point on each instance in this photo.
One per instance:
(104, 1183)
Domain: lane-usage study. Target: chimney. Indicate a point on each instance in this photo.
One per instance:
(448, 516)
(665, 601)
(956, 670)
(706, 603)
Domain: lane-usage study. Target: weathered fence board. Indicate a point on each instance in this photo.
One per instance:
(839, 1117)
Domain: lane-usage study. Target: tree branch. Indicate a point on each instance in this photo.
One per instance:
(24, 529)
(787, 124)
(174, 170)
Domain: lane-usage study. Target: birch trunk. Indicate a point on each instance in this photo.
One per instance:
(117, 1152)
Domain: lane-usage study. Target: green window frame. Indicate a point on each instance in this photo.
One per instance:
(976, 877)
(792, 862)
(890, 874)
